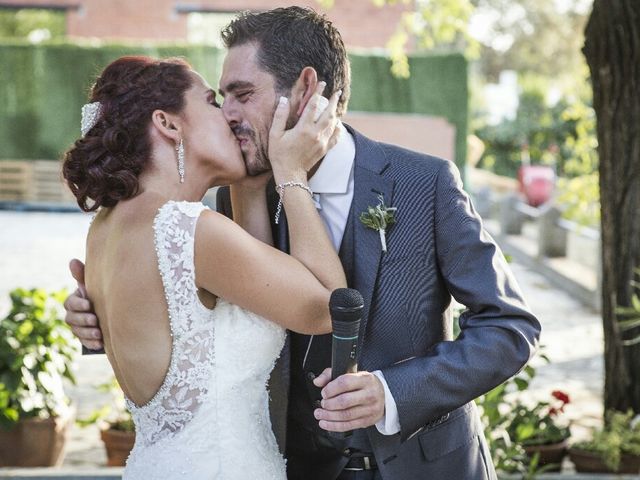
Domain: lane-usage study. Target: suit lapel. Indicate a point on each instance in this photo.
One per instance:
(363, 244)
(369, 183)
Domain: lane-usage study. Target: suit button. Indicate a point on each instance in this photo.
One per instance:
(311, 376)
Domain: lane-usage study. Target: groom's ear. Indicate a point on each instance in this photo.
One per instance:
(303, 89)
(166, 124)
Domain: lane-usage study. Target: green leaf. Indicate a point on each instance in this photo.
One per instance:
(629, 324)
(11, 414)
(521, 383)
(632, 342)
(635, 302)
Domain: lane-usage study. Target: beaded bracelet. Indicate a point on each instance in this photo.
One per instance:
(280, 189)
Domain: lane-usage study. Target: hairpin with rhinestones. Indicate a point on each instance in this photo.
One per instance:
(91, 113)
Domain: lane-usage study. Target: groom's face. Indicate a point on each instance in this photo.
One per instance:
(250, 100)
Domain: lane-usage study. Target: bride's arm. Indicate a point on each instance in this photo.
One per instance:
(291, 159)
(290, 290)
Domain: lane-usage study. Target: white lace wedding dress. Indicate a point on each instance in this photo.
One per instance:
(210, 417)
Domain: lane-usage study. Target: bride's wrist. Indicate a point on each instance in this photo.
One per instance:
(248, 190)
(288, 175)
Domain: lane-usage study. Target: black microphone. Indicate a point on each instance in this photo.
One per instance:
(345, 305)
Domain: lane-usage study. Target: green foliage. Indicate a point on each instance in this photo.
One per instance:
(37, 349)
(629, 317)
(437, 25)
(378, 217)
(542, 37)
(620, 435)
(510, 426)
(19, 23)
(538, 424)
(563, 136)
(579, 199)
(114, 414)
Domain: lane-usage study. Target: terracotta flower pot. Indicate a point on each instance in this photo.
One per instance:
(35, 442)
(549, 454)
(118, 445)
(589, 462)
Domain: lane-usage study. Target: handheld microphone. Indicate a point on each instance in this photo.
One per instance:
(345, 305)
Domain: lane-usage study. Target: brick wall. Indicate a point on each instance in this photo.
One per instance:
(362, 24)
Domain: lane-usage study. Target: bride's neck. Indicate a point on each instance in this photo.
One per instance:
(163, 179)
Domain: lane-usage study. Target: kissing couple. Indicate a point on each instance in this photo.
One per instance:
(217, 323)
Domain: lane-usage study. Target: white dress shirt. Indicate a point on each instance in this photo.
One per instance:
(332, 185)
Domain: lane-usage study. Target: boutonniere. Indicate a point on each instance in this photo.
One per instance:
(379, 218)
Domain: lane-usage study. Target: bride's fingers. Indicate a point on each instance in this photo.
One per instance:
(312, 106)
(280, 116)
(329, 113)
(333, 139)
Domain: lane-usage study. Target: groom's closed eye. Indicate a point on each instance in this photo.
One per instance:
(242, 96)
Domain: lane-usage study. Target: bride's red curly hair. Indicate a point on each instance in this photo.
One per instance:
(103, 167)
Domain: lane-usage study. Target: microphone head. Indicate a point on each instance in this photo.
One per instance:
(346, 305)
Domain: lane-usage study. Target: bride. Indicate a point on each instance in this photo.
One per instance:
(193, 307)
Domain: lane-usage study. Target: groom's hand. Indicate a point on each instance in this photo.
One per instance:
(81, 319)
(351, 401)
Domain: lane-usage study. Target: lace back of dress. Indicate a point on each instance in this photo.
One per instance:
(186, 384)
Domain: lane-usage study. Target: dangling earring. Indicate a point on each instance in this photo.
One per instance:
(180, 152)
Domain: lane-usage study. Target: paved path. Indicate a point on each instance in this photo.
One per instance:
(35, 249)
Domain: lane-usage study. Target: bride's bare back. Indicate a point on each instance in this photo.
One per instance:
(124, 283)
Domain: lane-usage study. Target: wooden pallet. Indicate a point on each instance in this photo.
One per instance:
(33, 181)
(15, 180)
(48, 184)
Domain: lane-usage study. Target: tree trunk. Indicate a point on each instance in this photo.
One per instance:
(612, 50)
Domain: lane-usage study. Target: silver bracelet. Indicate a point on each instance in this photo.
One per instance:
(280, 189)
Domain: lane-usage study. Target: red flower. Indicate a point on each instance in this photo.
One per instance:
(559, 395)
(553, 412)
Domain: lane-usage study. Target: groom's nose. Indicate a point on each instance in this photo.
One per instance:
(231, 113)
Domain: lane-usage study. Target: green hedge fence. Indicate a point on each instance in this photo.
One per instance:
(42, 88)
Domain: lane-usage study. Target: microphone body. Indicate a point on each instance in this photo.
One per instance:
(344, 346)
(346, 306)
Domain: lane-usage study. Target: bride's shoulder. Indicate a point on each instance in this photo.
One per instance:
(190, 209)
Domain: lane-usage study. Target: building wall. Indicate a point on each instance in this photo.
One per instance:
(362, 24)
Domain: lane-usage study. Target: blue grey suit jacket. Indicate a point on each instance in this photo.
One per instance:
(436, 250)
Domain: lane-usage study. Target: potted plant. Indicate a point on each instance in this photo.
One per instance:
(540, 431)
(117, 430)
(612, 449)
(37, 350)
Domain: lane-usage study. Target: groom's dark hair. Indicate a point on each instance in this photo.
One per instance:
(290, 39)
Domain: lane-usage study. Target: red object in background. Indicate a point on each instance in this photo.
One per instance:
(536, 183)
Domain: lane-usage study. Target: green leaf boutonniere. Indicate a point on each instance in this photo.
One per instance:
(379, 218)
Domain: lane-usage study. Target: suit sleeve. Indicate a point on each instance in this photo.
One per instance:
(498, 333)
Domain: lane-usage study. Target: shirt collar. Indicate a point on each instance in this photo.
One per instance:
(334, 171)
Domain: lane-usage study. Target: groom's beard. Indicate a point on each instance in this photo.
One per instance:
(256, 161)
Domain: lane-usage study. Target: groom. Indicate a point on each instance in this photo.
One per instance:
(411, 404)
